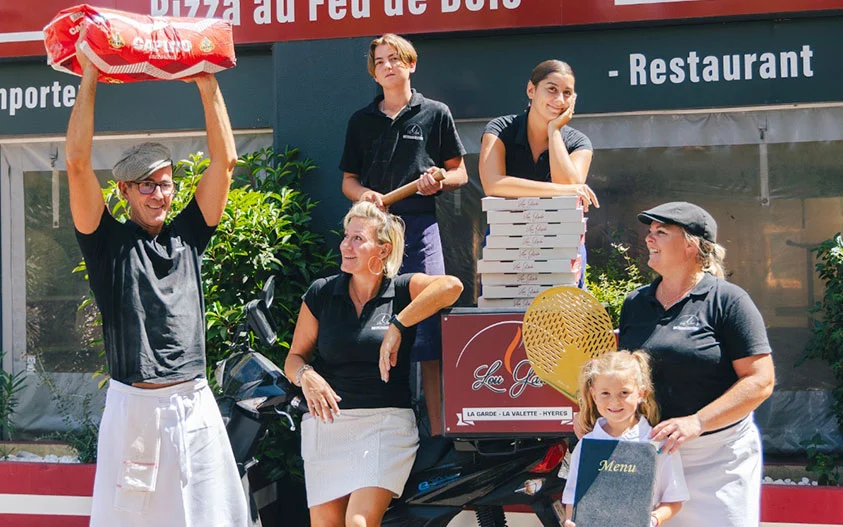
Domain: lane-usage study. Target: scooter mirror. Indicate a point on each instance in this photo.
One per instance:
(257, 312)
(258, 317)
(269, 291)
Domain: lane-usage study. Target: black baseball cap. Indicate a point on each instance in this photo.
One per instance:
(694, 219)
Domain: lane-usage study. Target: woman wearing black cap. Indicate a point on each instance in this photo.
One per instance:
(711, 365)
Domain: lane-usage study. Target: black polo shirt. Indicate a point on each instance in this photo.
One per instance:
(348, 348)
(387, 153)
(694, 342)
(512, 131)
(149, 292)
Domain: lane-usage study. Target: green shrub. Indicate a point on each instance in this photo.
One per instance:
(826, 464)
(265, 230)
(611, 283)
(827, 340)
(827, 344)
(10, 386)
(82, 422)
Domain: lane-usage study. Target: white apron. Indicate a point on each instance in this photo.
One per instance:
(723, 473)
(164, 459)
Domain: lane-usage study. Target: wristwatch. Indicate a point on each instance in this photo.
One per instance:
(397, 323)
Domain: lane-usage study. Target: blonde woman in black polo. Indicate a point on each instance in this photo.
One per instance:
(351, 356)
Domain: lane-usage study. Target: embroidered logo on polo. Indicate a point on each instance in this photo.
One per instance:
(687, 323)
(414, 132)
(381, 321)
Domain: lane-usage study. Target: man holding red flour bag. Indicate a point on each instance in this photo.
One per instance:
(163, 457)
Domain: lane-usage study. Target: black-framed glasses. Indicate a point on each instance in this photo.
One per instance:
(147, 187)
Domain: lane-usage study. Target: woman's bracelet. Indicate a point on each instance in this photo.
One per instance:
(299, 372)
(654, 520)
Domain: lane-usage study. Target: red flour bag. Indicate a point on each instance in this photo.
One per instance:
(127, 47)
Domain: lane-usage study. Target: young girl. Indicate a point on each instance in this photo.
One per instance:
(616, 402)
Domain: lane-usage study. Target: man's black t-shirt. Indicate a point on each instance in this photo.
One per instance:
(694, 342)
(348, 348)
(387, 153)
(149, 291)
(512, 131)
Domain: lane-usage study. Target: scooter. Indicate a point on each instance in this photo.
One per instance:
(253, 390)
(484, 475)
(449, 475)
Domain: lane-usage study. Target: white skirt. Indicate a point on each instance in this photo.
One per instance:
(723, 473)
(361, 448)
(164, 459)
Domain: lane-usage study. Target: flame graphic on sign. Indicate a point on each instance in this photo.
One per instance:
(487, 328)
(507, 357)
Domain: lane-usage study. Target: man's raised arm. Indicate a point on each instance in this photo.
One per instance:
(86, 201)
(212, 190)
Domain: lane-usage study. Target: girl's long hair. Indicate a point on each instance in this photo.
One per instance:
(636, 364)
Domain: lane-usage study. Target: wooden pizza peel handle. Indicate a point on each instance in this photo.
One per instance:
(405, 191)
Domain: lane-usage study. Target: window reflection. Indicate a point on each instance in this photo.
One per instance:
(62, 337)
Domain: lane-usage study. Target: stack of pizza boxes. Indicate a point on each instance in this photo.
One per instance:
(532, 245)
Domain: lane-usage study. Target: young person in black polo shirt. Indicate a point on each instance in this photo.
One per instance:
(351, 356)
(398, 138)
(163, 456)
(711, 365)
(536, 153)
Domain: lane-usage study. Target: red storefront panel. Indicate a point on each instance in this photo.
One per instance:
(257, 21)
(614, 11)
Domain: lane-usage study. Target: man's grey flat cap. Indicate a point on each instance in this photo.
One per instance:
(140, 161)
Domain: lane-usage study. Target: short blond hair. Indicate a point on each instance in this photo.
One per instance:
(389, 229)
(406, 52)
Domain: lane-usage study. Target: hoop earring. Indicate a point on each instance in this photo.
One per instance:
(369, 266)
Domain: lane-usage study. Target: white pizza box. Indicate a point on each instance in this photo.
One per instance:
(554, 203)
(533, 229)
(517, 291)
(531, 253)
(518, 242)
(520, 304)
(529, 278)
(534, 216)
(528, 266)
